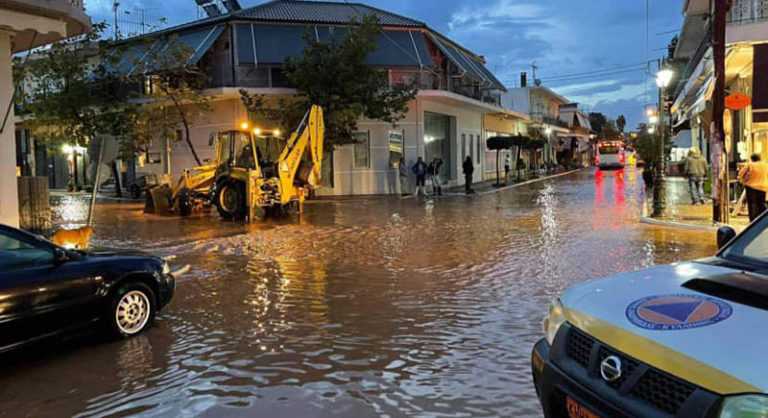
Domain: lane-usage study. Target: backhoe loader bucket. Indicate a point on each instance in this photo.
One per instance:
(158, 200)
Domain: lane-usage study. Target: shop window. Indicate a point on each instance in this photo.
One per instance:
(479, 149)
(438, 141)
(362, 150)
(396, 147)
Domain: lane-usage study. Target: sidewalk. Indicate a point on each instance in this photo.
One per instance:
(681, 213)
(488, 187)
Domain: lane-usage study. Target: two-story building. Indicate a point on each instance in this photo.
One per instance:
(542, 105)
(247, 49)
(577, 146)
(24, 25)
(746, 65)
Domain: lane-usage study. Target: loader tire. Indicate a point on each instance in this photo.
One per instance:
(230, 200)
(184, 202)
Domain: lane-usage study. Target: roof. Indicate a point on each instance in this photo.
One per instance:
(303, 11)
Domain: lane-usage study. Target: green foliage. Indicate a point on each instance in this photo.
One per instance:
(72, 95)
(647, 144)
(334, 75)
(603, 126)
(621, 123)
(172, 93)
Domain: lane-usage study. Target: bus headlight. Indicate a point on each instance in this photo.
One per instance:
(553, 320)
(745, 406)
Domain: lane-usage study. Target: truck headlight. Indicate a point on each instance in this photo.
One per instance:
(553, 320)
(745, 406)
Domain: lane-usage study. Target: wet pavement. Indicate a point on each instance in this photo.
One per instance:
(364, 307)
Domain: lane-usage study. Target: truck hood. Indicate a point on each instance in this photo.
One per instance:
(712, 342)
(109, 252)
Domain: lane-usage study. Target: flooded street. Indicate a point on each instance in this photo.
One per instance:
(365, 307)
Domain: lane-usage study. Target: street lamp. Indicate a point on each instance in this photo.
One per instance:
(663, 80)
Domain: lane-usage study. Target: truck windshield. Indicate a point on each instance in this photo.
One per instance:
(751, 247)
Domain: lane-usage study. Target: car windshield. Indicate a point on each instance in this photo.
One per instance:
(751, 247)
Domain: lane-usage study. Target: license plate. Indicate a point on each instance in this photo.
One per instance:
(577, 410)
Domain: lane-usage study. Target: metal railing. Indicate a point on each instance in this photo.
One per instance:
(748, 11)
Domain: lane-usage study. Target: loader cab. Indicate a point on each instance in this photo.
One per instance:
(236, 151)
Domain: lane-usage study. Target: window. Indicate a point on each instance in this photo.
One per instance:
(362, 150)
(16, 254)
(463, 147)
(479, 149)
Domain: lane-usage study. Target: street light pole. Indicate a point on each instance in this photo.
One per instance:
(663, 78)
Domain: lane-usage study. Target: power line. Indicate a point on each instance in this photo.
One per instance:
(618, 67)
(595, 75)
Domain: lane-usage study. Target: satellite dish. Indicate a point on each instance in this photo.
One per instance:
(537, 82)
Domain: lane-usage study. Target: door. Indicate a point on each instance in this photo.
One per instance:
(39, 295)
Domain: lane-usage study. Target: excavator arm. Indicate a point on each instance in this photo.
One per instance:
(309, 134)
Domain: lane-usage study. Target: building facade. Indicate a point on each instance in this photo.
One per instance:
(24, 25)
(247, 49)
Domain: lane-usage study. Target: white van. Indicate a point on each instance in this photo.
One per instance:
(611, 155)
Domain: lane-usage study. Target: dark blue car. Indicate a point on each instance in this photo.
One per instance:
(46, 290)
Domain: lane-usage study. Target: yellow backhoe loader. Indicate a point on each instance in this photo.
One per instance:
(259, 174)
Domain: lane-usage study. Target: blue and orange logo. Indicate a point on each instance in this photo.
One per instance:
(677, 312)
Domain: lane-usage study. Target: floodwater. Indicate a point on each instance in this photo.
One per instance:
(364, 307)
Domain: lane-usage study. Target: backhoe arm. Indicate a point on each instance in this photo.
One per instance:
(309, 133)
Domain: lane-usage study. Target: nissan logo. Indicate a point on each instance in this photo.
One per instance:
(610, 369)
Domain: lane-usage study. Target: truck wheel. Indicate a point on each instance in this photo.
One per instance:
(230, 200)
(184, 202)
(131, 310)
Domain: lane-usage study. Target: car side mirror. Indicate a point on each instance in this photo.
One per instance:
(59, 256)
(724, 235)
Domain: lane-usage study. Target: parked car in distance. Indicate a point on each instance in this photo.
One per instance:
(47, 290)
(684, 340)
(142, 183)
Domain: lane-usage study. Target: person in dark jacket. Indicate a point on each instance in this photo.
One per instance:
(469, 170)
(434, 174)
(420, 170)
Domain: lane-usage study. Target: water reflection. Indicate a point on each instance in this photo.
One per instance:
(365, 307)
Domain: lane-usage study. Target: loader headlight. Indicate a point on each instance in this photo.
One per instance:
(553, 320)
(751, 406)
(166, 268)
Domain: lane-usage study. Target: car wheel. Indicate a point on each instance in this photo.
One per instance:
(131, 310)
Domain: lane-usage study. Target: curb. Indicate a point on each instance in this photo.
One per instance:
(499, 189)
(645, 219)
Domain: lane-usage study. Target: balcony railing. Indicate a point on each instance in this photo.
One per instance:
(548, 118)
(426, 80)
(748, 11)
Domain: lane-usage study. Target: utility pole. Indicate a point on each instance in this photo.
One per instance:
(720, 203)
(659, 192)
(115, 6)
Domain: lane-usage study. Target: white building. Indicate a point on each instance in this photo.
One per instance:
(27, 24)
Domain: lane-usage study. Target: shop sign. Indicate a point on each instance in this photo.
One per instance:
(737, 101)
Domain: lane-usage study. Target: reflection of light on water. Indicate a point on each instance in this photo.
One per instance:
(71, 210)
(649, 255)
(548, 235)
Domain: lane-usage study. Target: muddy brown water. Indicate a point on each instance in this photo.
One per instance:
(364, 307)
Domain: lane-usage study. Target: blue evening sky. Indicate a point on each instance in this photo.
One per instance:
(563, 37)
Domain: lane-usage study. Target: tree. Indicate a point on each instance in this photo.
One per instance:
(172, 94)
(603, 126)
(621, 123)
(334, 75)
(72, 95)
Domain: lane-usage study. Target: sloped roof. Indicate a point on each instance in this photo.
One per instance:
(303, 11)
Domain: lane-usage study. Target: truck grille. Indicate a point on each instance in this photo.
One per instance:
(662, 391)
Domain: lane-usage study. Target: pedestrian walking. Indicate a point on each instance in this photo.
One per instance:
(754, 176)
(403, 170)
(506, 168)
(434, 174)
(695, 170)
(420, 170)
(469, 170)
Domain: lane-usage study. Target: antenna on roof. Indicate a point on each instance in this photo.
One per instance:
(210, 7)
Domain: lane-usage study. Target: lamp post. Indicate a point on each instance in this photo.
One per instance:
(663, 78)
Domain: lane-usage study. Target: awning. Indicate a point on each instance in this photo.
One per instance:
(132, 58)
(507, 142)
(760, 89)
(583, 120)
(466, 63)
(683, 139)
(272, 44)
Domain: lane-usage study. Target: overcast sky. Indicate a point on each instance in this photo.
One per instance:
(564, 37)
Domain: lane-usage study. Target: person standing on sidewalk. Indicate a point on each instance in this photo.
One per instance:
(506, 168)
(469, 170)
(754, 176)
(434, 174)
(420, 170)
(403, 170)
(695, 170)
